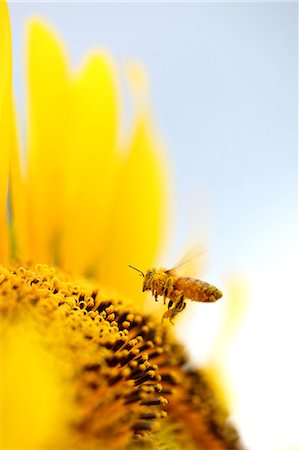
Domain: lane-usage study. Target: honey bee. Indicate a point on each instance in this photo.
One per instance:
(176, 289)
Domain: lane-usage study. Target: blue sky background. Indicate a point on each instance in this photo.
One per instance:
(224, 94)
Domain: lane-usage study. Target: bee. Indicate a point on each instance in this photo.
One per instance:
(176, 289)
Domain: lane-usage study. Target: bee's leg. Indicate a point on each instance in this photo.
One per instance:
(169, 314)
(156, 295)
(170, 303)
(165, 295)
(168, 289)
(180, 304)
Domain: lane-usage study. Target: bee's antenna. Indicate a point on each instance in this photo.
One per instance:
(132, 267)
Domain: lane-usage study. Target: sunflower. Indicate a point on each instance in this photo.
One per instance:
(83, 366)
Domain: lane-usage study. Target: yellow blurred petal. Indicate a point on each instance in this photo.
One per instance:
(48, 102)
(19, 200)
(139, 208)
(236, 298)
(139, 82)
(31, 406)
(137, 216)
(93, 165)
(219, 381)
(5, 123)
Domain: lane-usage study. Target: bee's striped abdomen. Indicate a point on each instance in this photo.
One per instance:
(197, 290)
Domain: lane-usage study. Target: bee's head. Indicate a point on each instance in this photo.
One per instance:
(148, 278)
(150, 272)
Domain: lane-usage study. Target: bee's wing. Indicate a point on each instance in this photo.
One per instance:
(190, 264)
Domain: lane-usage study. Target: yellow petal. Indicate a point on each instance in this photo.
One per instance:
(137, 215)
(5, 124)
(19, 200)
(93, 164)
(236, 302)
(49, 105)
(31, 398)
(139, 209)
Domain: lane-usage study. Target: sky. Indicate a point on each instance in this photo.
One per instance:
(224, 94)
